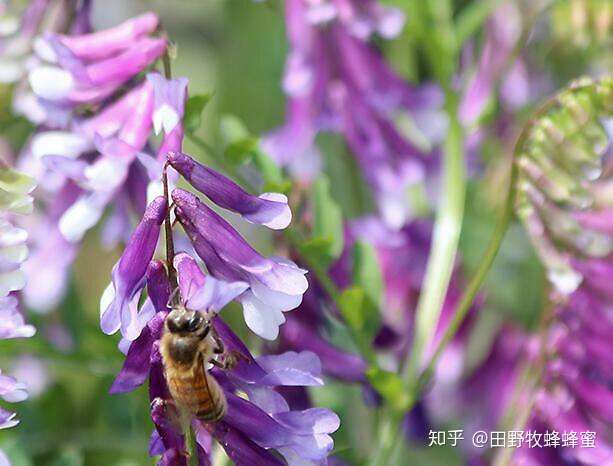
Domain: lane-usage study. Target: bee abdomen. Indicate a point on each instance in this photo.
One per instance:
(212, 408)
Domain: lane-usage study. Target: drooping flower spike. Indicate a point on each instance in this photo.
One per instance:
(337, 82)
(91, 67)
(108, 155)
(504, 30)
(14, 199)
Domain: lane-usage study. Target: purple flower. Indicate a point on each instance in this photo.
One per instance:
(140, 353)
(118, 134)
(91, 67)
(16, 44)
(14, 188)
(300, 336)
(201, 292)
(356, 94)
(361, 18)
(251, 427)
(48, 265)
(118, 305)
(103, 44)
(7, 420)
(275, 285)
(576, 393)
(12, 323)
(11, 390)
(169, 96)
(268, 209)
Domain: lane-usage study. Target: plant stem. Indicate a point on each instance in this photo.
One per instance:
(170, 247)
(190, 446)
(478, 278)
(444, 247)
(443, 251)
(388, 434)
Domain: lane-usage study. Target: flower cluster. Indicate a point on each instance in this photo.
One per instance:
(14, 198)
(336, 81)
(272, 285)
(266, 287)
(96, 113)
(253, 425)
(576, 394)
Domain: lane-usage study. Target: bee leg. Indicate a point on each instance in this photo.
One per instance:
(217, 363)
(229, 360)
(219, 347)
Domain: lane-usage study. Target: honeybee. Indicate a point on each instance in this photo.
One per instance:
(189, 344)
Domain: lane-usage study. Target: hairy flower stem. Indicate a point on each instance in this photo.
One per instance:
(170, 247)
(190, 437)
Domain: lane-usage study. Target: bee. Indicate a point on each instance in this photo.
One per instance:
(189, 344)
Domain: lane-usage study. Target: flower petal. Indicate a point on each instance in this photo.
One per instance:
(260, 318)
(269, 209)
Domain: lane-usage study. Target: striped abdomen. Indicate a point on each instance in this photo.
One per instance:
(198, 392)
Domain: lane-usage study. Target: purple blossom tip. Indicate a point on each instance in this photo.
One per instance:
(268, 209)
(119, 302)
(156, 211)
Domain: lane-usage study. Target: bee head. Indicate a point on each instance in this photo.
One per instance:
(184, 321)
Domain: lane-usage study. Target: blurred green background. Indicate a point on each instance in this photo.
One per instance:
(236, 49)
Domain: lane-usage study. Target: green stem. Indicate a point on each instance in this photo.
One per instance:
(388, 434)
(444, 247)
(478, 278)
(190, 446)
(438, 274)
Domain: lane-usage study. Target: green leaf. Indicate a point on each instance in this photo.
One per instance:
(390, 386)
(193, 111)
(318, 250)
(232, 129)
(240, 151)
(270, 171)
(241, 147)
(328, 218)
(360, 314)
(16, 182)
(351, 304)
(367, 275)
